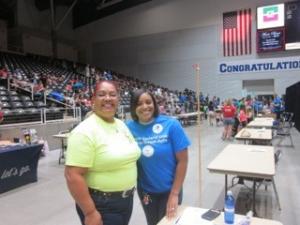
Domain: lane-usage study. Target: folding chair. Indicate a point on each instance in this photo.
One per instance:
(260, 181)
(284, 130)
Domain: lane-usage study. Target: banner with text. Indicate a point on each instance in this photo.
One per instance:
(259, 65)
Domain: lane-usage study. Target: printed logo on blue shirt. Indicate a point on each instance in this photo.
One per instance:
(157, 128)
(148, 150)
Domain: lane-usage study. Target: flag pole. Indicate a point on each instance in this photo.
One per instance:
(197, 71)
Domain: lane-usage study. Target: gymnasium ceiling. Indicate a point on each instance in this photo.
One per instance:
(7, 9)
(87, 11)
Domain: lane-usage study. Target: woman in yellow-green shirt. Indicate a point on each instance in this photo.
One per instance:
(101, 160)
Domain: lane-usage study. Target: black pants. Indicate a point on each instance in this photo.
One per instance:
(278, 115)
(155, 210)
(113, 210)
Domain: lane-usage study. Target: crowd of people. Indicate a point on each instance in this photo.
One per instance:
(236, 114)
(73, 83)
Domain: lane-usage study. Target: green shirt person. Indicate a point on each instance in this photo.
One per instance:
(101, 157)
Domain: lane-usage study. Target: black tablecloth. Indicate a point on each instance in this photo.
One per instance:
(18, 165)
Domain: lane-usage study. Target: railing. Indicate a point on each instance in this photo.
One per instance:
(27, 87)
(40, 116)
(122, 112)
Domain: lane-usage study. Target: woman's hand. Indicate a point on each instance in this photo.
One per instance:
(93, 218)
(172, 205)
(79, 190)
(173, 200)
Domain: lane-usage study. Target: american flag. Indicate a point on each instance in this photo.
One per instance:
(237, 33)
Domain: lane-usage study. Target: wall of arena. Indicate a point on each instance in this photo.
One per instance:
(161, 40)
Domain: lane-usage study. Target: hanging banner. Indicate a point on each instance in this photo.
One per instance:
(259, 65)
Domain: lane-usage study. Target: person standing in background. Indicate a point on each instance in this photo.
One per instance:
(211, 113)
(228, 118)
(101, 157)
(1, 116)
(277, 106)
(43, 78)
(242, 117)
(163, 163)
(249, 113)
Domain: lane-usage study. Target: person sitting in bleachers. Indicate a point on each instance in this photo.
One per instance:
(3, 73)
(178, 109)
(43, 78)
(68, 87)
(38, 90)
(108, 75)
(57, 96)
(162, 109)
(77, 86)
(1, 113)
(19, 82)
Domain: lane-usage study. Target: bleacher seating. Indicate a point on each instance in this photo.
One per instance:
(19, 108)
(66, 86)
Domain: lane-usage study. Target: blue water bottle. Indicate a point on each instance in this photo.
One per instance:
(229, 208)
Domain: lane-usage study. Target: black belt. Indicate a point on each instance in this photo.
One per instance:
(116, 194)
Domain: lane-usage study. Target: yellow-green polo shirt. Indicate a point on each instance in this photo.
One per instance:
(108, 150)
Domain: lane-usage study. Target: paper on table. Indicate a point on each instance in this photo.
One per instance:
(5, 142)
(192, 216)
(245, 133)
(256, 150)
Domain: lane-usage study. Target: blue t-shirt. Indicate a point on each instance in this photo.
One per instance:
(57, 96)
(258, 106)
(159, 141)
(182, 99)
(277, 104)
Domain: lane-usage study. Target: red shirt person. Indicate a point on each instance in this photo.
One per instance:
(228, 118)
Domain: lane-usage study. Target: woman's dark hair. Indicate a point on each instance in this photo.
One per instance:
(135, 96)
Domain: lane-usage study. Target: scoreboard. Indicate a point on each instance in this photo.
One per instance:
(278, 27)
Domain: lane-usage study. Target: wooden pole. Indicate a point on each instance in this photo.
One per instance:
(197, 70)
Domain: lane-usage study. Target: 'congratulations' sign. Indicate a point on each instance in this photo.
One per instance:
(260, 65)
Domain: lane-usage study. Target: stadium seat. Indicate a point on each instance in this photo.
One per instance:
(16, 105)
(25, 98)
(13, 93)
(6, 105)
(7, 112)
(28, 104)
(3, 93)
(39, 104)
(15, 98)
(33, 110)
(3, 98)
(20, 111)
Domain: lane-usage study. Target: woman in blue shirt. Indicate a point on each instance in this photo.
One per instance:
(163, 163)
